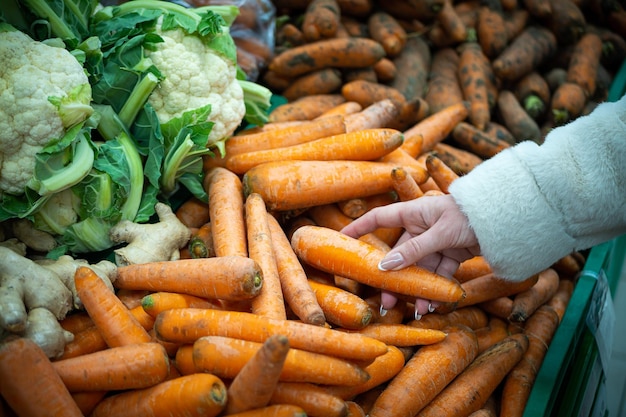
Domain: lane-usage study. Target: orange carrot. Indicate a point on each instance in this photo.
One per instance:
(491, 31)
(344, 109)
(332, 251)
(467, 13)
(226, 208)
(354, 208)
(276, 410)
(426, 373)
(516, 119)
(293, 279)
(312, 398)
(569, 265)
(525, 303)
(468, 137)
(290, 185)
(568, 102)
(156, 302)
(201, 242)
(321, 20)
(385, 70)
(193, 212)
(76, 322)
(490, 409)
(386, 30)
(342, 308)
(226, 357)
(452, 23)
(354, 409)
(495, 331)
(584, 62)
(443, 88)
(85, 341)
(436, 127)
(395, 315)
(566, 21)
(253, 385)
(367, 92)
(88, 400)
(335, 52)
(499, 307)
(561, 298)
(199, 394)
(379, 114)
(460, 160)
(29, 384)
(118, 368)
(305, 108)
(472, 78)
(471, 389)
(401, 158)
(441, 173)
(490, 286)
(363, 145)
(187, 325)
(472, 268)
(381, 370)
(269, 301)
(322, 81)
(402, 335)
(114, 321)
(220, 277)
(183, 359)
(404, 185)
(471, 316)
(533, 92)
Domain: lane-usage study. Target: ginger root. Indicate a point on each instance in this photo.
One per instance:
(150, 242)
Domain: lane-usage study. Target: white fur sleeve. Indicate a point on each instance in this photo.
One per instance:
(530, 205)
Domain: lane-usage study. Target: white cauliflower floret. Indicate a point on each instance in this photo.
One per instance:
(30, 73)
(194, 77)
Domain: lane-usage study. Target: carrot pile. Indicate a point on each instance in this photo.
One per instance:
(271, 311)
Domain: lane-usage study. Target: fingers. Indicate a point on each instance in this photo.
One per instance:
(385, 216)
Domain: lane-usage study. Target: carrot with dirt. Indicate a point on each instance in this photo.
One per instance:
(490, 286)
(322, 81)
(442, 174)
(385, 70)
(569, 265)
(156, 302)
(305, 108)
(491, 31)
(539, 329)
(367, 92)
(319, 182)
(584, 62)
(568, 102)
(187, 325)
(562, 297)
(471, 389)
(356, 207)
(538, 8)
(460, 160)
(516, 119)
(404, 185)
(525, 53)
(498, 307)
(452, 23)
(221, 277)
(379, 114)
(387, 31)
(28, 382)
(436, 127)
(344, 109)
(401, 335)
(118, 368)
(296, 290)
(426, 373)
(193, 212)
(467, 12)
(566, 21)
(362, 145)
(269, 301)
(527, 302)
(533, 93)
(226, 208)
(335, 52)
(201, 242)
(334, 252)
(470, 138)
(443, 88)
(276, 410)
(110, 316)
(401, 158)
(226, 357)
(500, 132)
(199, 394)
(321, 20)
(411, 113)
(253, 385)
(342, 308)
(473, 81)
(312, 398)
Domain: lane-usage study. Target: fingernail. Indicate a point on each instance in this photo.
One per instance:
(430, 308)
(390, 262)
(383, 311)
(418, 316)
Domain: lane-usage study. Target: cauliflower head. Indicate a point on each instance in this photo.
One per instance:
(43, 91)
(195, 76)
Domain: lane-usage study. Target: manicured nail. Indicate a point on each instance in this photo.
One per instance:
(390, 262)
(383, 311)
(431, 309)
(418, 316)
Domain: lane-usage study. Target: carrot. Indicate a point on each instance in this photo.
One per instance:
(404, 185)
(253, 385)
(569, 265)
(566, 21)
(385, 70)
(533, 92)
(145, 319)
(88, 400)
(491, 31)
(193, 212)
(183, 359)
(584, 62)
(472, 268)
(411, 112)
(436, 127)
(356, 8)
(355, 410)
(525, 53)
(363, 145)
(322, 81)
(28, 382)
(561, 298)
(201, 242)
(291, 185)
(452, 23)
(312, 398)
(379, 114)
(467, 13)
(289, 34)
(471, 389)
(526, 302)
(516, 119)
(226, 356)
(117, 368)
(131, 298)
(490, 409)
(568, 102)
(402, 335)
(538, 8)
(395, 315)
(460, 160)
(499, 307)
(85, 341)
(332, 251)
(187, 325)
(199, 394)
(494, 332)
(470, 138)
(426, 373)
(156, 302)
(539, 329)
(76, 322)
(402, 159)
(321, 20)
(442, 174)
(366, 93)
(344, 109)
(500, 132)
(355, 27)
(305, 108)
(342, 308)
(335, 52)
(471, 316)
(226, 208)
(114, 321)
(386, 30)
(356, 207)
(381, 370)
(276, 410)
(220, 277)
(293, 280)
(365, 74)
(443, 88)
(472, 78)
(490, 286)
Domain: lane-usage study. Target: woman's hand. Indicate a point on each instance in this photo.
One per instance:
(437, 237)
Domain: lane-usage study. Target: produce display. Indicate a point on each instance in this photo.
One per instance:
(174, 177)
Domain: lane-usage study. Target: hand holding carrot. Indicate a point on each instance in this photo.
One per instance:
(437, 237)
